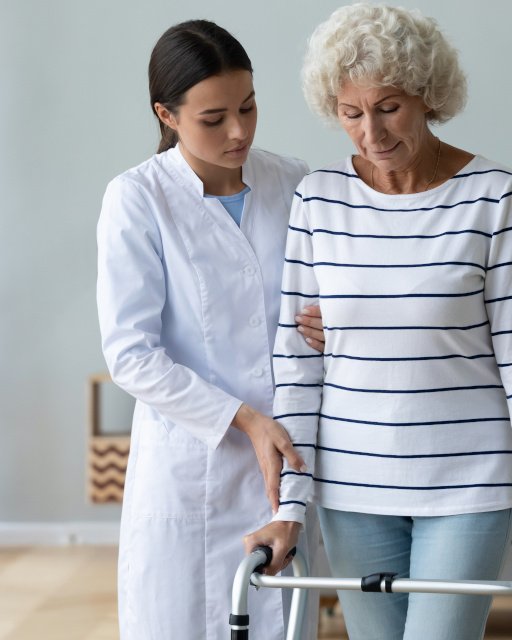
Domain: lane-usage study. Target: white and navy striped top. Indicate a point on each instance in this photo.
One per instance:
(408, 410)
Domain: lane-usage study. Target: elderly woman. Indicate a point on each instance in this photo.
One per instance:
(404, 421)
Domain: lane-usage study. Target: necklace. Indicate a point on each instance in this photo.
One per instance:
(431, 179)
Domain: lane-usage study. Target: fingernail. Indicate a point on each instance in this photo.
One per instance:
(308, 340)
(306, 310)
(274, 511)
(304, 468)
(300, 328)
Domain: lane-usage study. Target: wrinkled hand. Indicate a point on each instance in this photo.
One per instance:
(311, 327)
(271, 443)
(282, 536)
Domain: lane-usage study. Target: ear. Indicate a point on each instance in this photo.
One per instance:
(165, 116)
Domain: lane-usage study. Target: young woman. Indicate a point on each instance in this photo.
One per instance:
(191, 245)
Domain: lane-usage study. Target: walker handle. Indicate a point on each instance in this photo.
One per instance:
(268, 555)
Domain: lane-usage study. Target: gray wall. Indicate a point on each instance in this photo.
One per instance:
(73, 113)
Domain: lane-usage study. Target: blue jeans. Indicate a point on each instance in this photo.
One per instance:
(461, 547)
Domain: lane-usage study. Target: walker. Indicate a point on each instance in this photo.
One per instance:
(248, 572)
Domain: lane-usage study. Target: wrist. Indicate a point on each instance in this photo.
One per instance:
(244, 418)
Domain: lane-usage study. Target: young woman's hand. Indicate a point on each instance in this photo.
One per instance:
(311, 327)
(271, 443)
(282, 536)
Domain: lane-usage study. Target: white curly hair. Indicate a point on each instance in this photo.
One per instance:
(380, 45)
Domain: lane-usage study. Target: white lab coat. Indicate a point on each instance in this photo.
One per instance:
(188, 307)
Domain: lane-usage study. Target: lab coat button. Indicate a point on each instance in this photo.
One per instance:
(257, 372)
(249, 271)
(254, 321)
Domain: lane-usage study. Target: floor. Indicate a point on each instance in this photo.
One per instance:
(68, 593)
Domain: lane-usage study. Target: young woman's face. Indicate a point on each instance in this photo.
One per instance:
(217, 121)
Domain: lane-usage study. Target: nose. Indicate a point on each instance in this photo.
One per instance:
(237, 129)
(374, 132)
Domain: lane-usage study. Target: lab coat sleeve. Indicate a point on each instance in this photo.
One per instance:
(131, 294)
(298, 368)
(498, 294)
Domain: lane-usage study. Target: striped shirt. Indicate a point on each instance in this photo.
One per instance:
(408, 410)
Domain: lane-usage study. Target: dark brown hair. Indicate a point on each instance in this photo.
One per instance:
(186, 54)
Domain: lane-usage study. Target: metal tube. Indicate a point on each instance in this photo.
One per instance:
(240, 629)
(405, 585)
(469, 587)
(299, 598)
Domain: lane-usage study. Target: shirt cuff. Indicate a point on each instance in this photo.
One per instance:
(291, 512)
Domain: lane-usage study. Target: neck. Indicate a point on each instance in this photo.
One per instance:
(217, 181)
(420, 176)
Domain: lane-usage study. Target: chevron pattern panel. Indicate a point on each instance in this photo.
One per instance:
(108, 456)
(108, 453)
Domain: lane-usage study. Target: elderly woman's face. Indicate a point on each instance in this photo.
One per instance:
(387, 126)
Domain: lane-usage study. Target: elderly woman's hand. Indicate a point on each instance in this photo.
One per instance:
(311, 327)
(281, 536)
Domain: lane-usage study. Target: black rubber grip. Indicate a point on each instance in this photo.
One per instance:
(239, 620)
(268, 556)
(372, 582)
(239, 634)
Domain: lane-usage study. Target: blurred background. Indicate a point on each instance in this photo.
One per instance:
(74, 112)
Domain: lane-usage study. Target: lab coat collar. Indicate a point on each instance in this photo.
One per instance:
(175, 157)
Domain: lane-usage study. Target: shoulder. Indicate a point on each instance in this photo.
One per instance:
(340, 174)
(482, 170)
(292, 169)
(140, 177)
(130, 198)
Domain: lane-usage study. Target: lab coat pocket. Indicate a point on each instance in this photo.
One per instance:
(170, 473)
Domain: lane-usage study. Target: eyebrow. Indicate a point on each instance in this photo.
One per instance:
(210, 111)
(392, 95)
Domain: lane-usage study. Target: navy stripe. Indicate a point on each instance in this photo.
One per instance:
(341, 173)
(429, 455)
(287, 326)
(412, 488)
(505, 230)
(402, 328)
(497, 333)
(296, 293)
(435, 390)
(497, 266)
(295, 415)
(386, 266)
(382, 296)
(498, 300)
(295, 473)
(479, 173)
(299, 229)
(410, 359)
(297, 384)
(400, 424)
(292, 502)
(296, 193)
(426, 209)
(304, 444)
(314, 355)
(389, 237)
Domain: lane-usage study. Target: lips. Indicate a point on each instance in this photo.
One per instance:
(238, 150)
(384, 151)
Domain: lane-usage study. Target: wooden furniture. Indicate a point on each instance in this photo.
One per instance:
(107, 453)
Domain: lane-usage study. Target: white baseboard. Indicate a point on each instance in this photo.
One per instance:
(16, 534)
